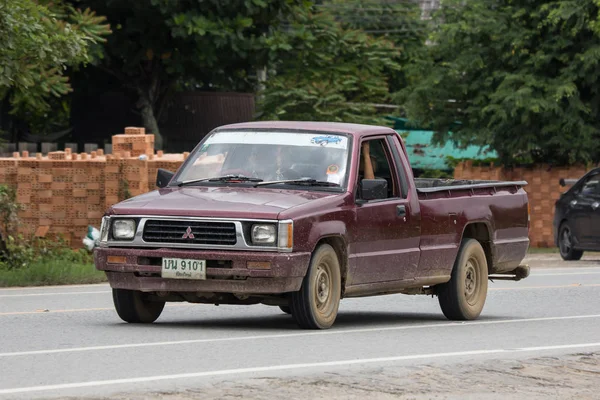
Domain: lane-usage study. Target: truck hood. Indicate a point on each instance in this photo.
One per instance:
(219, 202)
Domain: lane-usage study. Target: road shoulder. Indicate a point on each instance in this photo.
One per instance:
(569, 376)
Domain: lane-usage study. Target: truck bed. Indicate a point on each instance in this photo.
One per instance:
(498, 209)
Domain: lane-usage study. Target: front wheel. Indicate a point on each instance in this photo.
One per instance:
(133, 307)
(565, 244)
(463, 297)
(315, 305)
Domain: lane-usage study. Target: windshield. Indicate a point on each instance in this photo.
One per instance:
(270, 156)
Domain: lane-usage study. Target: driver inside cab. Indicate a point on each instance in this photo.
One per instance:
(368, 163)
(271, 163)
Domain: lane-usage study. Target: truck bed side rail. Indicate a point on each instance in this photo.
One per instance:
(443, 185)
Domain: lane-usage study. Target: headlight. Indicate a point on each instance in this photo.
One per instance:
(123, 229)
(263, 234)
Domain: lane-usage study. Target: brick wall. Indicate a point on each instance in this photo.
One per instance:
(63, 193)
(543, 190)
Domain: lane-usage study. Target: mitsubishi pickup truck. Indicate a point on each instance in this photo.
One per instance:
(299, 215)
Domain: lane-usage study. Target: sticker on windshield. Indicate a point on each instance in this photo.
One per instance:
(325, 140)
(333, 169)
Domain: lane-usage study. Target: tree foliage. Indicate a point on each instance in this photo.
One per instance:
(398, 21)
(38, 41)
(521, 76)
(162, 46)
(324, 71)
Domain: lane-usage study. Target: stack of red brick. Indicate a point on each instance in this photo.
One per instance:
(63, 193)
(542, 190)
(134, 142)
(59, 194)
(170, 162)
(8, 171)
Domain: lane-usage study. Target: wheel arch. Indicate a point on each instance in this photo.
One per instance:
(481, 232)
(340, 246)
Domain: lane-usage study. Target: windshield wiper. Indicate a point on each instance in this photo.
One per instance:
(306, 181)
(225, 178)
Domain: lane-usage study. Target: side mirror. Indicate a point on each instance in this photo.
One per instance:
(163, 177)
(373, 189)
(564, 182)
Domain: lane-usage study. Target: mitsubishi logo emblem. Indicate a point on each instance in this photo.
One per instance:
(188, 233)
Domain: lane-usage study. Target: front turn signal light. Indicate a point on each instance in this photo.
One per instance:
(285, 240)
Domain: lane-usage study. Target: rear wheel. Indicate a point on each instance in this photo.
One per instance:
(463, 297)
(133, 306)
(565, 244)
(315, 305)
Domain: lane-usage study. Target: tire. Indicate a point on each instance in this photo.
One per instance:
(286, 309)
(316, 304)
(132, 307)
(565, 244)
(463, 297)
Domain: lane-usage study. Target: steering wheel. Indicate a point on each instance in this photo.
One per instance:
(291, 174)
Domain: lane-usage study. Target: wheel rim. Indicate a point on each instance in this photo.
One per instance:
(323, 286)
(472, 281)
(566, 242)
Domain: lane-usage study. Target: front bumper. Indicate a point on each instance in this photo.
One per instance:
(226, 271)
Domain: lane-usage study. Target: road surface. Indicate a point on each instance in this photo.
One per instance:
(540, 336)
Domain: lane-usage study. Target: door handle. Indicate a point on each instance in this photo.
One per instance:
(595, 205)
(401, 211)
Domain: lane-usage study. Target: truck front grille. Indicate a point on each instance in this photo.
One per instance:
(193, 232)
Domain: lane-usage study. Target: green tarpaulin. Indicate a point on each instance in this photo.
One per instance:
(425, 155)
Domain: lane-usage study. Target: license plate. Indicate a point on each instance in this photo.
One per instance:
(181, 268)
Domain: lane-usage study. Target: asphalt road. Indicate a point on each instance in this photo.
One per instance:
(68, 341)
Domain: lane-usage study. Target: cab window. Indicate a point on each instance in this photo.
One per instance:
(375, 163)
(591, 187)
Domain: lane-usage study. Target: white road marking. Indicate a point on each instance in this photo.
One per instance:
(272, 368)
(570, 286)
(53, 294)
(72, 310)
(87, 285)
(567, 273)
(568, 269)
(291, 335)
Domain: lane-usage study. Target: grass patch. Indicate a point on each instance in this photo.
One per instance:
(51, 272)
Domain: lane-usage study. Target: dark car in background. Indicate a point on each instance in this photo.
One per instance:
(577, 217)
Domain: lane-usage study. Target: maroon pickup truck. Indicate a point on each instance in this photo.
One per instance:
(302, 214)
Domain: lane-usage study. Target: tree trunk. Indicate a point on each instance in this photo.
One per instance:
(149, 120)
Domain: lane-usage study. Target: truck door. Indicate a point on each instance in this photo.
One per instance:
(385, 244)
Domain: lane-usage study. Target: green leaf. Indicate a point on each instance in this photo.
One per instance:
(38, 41)
(521, 77)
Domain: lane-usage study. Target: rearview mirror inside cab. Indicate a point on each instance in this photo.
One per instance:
(373, 189)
